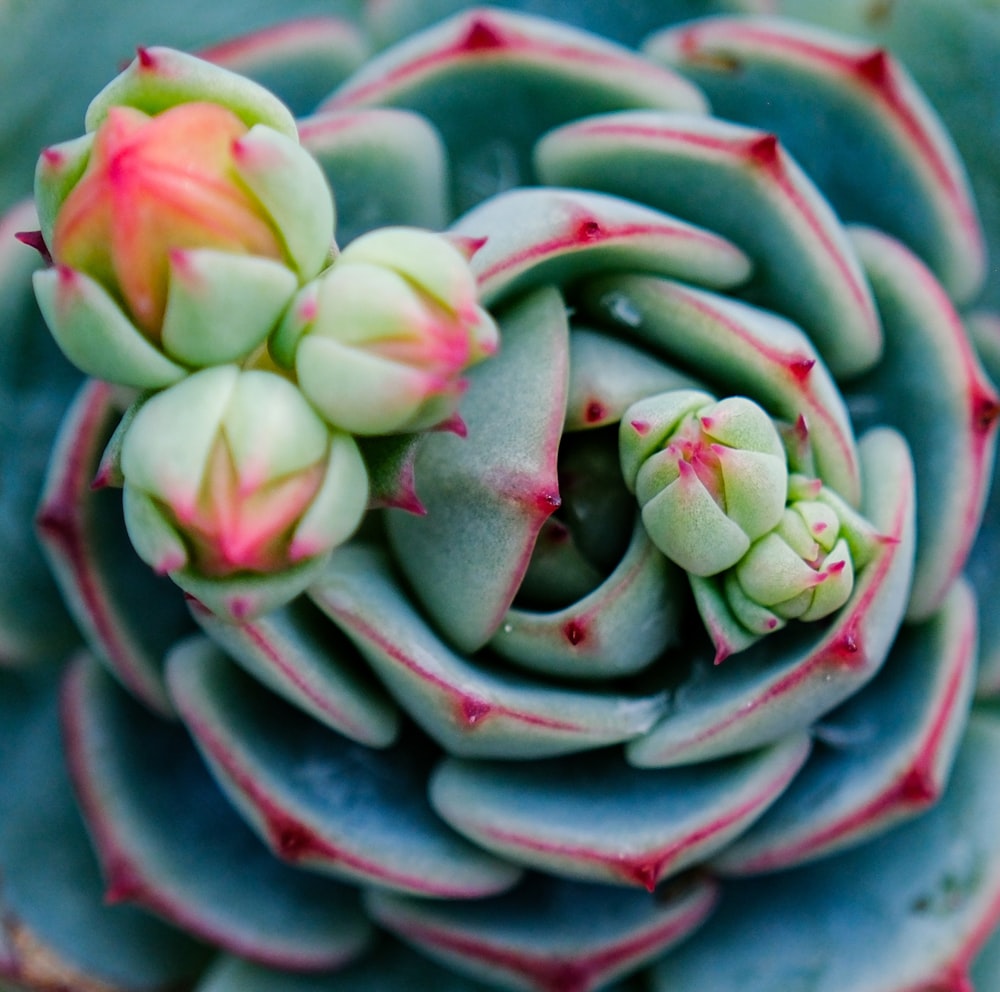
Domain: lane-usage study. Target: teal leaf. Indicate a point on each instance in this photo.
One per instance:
(932, 387)
(984, 330)
(607, 375)
(742, 184)
(303, 658)
(854, 119)
(543, 73)
(736, 349)
(104, 583)
(597, 819)
(169, 841)
(906, 911)
(40, 44)
(318, 800)
(549, 935)
(882, 757)
(468, 708)
(36, 384)
(52, 901)
(950, 48)
(386, 167)
(388, 966)
(301, 60)
(618, 629)
(391, 20)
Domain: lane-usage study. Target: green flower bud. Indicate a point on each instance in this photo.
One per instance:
(180, 226)
(379, 343)
(711, 476)
(237, 489)
(802, 569)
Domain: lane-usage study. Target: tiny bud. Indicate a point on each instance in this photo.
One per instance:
(379, 343)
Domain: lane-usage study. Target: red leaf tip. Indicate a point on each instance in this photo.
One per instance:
(575, 631)
(801, 367)
(765, 151)
(34, 239)
(588, 229)
(481, 34)
(875, 67)
(985, 411)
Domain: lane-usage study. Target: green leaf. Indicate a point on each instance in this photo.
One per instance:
(467, 707)
(856, 122)
(793, 677)
(487, 494)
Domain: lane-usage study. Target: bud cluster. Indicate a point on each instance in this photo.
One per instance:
(191, 238)
(761, 545)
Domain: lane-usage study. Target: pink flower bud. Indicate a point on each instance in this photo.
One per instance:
(154, 185)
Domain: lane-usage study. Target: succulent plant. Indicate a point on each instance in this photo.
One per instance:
(429, 695)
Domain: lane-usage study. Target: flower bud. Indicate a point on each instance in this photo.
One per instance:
(379, 342)
(237, 489)
(179, 227)
(711, 477)
(803, 569)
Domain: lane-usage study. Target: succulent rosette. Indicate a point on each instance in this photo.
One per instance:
(743, 406)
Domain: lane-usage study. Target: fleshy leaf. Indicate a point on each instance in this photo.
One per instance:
(221, 306)
(159, 78)
(738, 349)
(300, 59)
(469, 709)
(853, 117)
(55, 920)
(618, 629)
(96, 336)
(984, 329)
(542, 236)
(300, 656)
(36, 384)
(742, 184)
(389, 965)
(487, 494)
(933, 389)
(133, 775)
(548, 74)
(104, 583)
(392, 20)
(386, 166)
(882, 757)
(319, 801)
(549, 935)
(607, 375)
(597, 819)
(913, 906)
